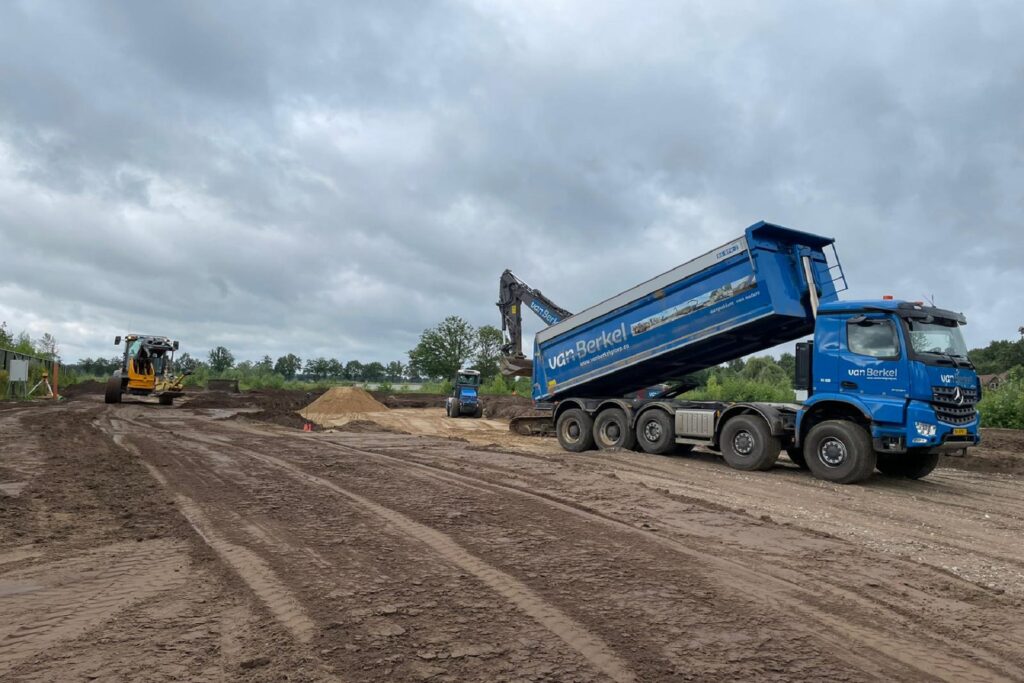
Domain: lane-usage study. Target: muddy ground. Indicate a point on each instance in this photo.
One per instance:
(140, 542)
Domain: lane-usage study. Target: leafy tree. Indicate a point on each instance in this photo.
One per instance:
(335, 368)
(488, 350)
(48, 346)
(395, 371)
(354, 370)
(288, 366)
(787, 362)
(185, 363)
(319, 368)
(5, 337)
(999, 356)
(373, 372)
(221, 360)
(765, 370)
(443, 349)
(265, 364)
(98, 367)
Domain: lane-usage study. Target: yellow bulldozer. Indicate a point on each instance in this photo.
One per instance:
(146, 370)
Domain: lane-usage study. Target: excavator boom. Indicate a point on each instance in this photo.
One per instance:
(513, 294)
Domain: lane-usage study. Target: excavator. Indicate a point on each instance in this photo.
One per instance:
(146, 370)
(513, 294)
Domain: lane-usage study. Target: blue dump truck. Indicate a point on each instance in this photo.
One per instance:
(884, 383)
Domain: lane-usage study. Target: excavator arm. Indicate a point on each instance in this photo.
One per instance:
(513, 294)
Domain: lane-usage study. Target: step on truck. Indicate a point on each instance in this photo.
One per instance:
(884, 384)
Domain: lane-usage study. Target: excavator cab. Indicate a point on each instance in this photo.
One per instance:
(145, 370)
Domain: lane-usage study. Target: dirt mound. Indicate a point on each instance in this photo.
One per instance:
(367, 426)
(85, 388)
(501, 407)
(1001, 450)
(507, 407)
(340, 402)
(409, 400)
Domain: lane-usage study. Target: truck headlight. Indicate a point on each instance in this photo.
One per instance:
(925, 428)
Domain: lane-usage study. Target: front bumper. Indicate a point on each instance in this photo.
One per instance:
(946, 437)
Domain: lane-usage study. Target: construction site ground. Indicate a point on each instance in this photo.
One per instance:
(214, 540)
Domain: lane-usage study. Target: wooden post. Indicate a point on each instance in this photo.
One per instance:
(56, 373)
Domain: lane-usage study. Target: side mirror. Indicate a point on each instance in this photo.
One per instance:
(175, 345)
(117, 340)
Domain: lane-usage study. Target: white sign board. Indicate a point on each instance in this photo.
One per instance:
(19, 371)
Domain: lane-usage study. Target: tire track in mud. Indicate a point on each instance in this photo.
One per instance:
(780, 594)
(245, 563)
(930, 661)
(593, 649)
(81, 592)
(590, 647)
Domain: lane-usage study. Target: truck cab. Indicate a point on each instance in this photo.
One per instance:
(899, 370)
(465, 396)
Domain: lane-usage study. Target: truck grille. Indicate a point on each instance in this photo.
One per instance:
(954, 405)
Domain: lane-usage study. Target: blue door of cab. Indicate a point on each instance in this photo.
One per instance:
(871, 362)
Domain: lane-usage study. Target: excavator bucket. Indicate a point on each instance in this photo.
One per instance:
(515, 366)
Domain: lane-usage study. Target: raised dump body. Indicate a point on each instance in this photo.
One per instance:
(746, 296)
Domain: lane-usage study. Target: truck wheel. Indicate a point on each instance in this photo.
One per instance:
(454, 410)
(479, 412)
(910, 465)
(575, 430)
(611, 430)
(796, 454)
(113, 391)
(654, 432)
(840, 451)
(748, 444)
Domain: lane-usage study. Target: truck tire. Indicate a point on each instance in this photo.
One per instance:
(655, 432)
(479, 412)
(454, 410)
(113, 391)
(611, 430)
(575, 431)
(910, 465)
(840, 451)
(796, 454)
(747, 443)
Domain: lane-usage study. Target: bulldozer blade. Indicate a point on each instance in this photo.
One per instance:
(511, 366)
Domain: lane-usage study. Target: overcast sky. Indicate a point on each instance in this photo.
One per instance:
(331, 178)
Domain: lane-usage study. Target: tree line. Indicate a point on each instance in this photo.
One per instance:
(442, 350)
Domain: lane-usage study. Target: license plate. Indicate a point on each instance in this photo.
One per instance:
(960, 431)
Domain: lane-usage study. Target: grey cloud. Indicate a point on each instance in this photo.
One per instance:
(332, 178)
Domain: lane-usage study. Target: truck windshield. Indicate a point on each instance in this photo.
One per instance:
(941, 337)
(469, 380)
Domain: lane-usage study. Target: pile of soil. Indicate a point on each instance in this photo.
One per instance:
(501, 407)
(86, 388)
(507, 407)
(277, 406)
(1001, 450)
(410, 400)
(344, 400)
